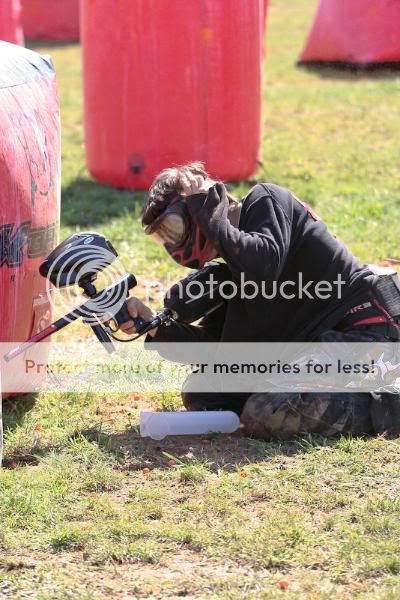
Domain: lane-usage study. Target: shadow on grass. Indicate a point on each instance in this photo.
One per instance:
(349, 72)
(15, 408)
(40, 44)
(133, 453)
(87, 203)
(221, 452)
(130, 452)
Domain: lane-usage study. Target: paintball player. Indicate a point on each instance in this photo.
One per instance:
(272, 236)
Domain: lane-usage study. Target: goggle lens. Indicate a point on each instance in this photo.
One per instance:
(170, 229)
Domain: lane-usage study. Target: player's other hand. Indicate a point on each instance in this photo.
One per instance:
(195, 184)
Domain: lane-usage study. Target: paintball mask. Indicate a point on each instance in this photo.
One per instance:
(181, 237)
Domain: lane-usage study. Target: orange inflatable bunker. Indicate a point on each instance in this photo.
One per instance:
(10, 22)
(171, 82)
(355, 31)
(51, 19)
(29, 188)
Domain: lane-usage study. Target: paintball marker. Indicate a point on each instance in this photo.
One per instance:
(81, 257)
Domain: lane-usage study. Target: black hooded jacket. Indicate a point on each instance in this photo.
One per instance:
(279, 240)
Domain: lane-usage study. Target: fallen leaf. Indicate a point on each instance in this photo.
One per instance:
(283, 585)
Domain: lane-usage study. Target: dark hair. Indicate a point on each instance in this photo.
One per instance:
(165, 187)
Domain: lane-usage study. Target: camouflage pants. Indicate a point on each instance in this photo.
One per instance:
(284, 415)
(281, 416)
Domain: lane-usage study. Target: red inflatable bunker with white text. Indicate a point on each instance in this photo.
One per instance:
(10, 22)
(355, 32)
(29, 189)
(51, 19)
(171, 82)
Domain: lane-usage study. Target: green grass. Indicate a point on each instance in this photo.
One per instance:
(231, 518)
(79, 517)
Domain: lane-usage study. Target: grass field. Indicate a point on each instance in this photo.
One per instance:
(235, 518)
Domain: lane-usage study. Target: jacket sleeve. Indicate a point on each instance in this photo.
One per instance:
(209, 329)
(259, 250)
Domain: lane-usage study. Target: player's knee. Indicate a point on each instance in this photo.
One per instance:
(193, 401)
(271, 416)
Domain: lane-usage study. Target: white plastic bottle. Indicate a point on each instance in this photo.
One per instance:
(158, 425)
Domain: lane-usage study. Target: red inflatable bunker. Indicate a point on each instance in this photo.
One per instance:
(29, 188)
(264, 27)
(10, 22)
(265, 13)
(171, 82)
(355, 31)
(51, 19)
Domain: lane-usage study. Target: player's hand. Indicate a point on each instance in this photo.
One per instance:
(136, 308)
(195, 184)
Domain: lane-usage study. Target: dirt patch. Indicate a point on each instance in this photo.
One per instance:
(186, 575)
(228, 452)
